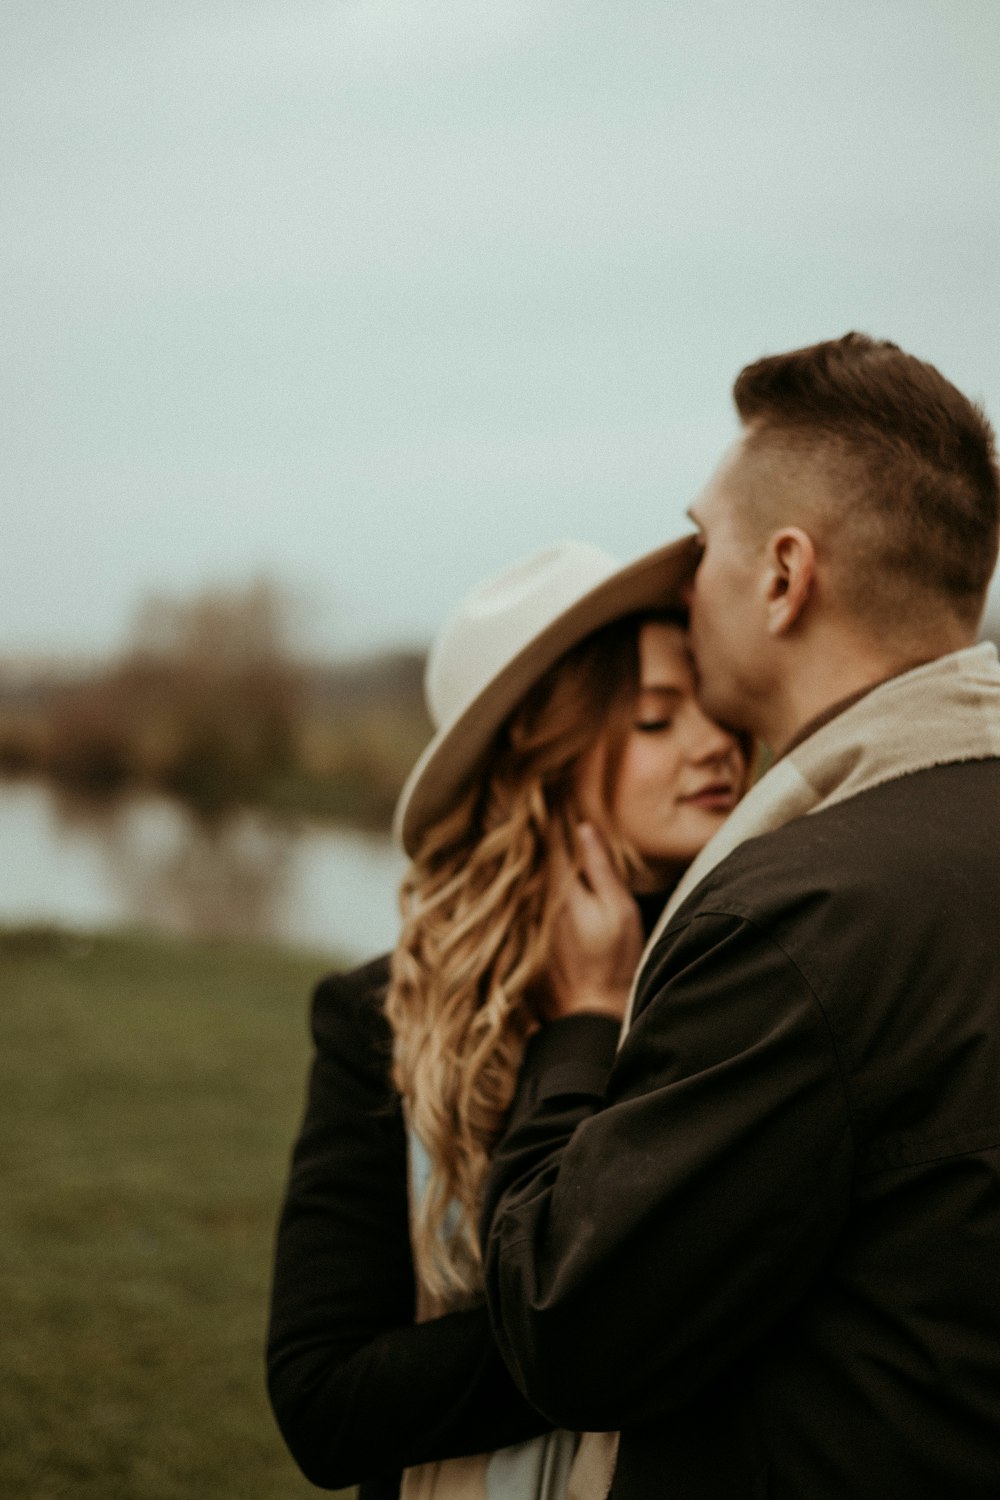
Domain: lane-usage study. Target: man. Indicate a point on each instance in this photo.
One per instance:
(763, 1241)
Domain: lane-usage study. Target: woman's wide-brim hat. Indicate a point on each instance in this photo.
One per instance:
(503, 637)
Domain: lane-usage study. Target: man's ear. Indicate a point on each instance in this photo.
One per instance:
(791, 577)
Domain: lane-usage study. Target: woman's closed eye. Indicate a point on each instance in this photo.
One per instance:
(656, 708)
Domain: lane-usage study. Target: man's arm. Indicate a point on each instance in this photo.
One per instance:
(635, 1250)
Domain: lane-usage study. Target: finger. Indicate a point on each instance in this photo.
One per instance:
(563, 864)
(595, 863)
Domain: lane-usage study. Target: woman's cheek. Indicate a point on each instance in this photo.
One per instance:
(656, 775)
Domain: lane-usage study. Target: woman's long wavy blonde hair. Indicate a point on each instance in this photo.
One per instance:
(467, 979)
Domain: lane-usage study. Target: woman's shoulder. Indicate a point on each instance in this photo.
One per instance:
(348, 1008)
(362, 988)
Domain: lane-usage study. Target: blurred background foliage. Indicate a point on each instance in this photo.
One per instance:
(211, 702)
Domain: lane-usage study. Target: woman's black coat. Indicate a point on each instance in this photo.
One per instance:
(359, 1391)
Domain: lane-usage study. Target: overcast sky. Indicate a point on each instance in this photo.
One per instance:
(373, 296)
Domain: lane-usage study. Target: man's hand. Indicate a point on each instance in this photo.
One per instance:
(596, 936)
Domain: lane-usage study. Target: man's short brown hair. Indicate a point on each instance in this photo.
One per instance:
(906, 463)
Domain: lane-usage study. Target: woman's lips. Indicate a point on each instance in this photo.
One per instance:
(718, 797)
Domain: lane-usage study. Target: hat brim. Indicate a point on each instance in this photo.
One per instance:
(651, 582)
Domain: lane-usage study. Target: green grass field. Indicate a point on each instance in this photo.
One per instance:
(149, 1094)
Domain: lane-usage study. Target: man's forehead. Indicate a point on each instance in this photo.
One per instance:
(717, 496)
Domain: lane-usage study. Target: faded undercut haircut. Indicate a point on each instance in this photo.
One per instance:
(900, 469)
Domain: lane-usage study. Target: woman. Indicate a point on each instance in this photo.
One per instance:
(564, 698)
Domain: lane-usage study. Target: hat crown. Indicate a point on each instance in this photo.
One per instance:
(501, 616)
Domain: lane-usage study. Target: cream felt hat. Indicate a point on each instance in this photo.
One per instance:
(503, 636)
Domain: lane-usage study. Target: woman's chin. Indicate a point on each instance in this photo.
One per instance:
(702, 824)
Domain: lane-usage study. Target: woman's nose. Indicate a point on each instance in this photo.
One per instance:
(712, 742)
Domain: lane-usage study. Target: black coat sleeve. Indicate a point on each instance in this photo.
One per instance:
(637, 1247)
(359, 1390)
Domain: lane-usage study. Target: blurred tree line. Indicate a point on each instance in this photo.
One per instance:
(211, 703)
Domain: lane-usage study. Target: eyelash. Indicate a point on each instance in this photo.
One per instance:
(651, 726)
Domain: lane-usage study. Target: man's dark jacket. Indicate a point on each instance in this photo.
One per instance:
(767, 1248)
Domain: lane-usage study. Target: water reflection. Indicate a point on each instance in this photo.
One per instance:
(148, 861)
(202, 878)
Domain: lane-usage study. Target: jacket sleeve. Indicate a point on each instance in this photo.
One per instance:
(358, 1389)
(636, 1248)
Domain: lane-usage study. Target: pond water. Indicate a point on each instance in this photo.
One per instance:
(146, 861)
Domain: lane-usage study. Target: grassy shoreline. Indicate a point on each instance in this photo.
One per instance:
(149, 1093)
